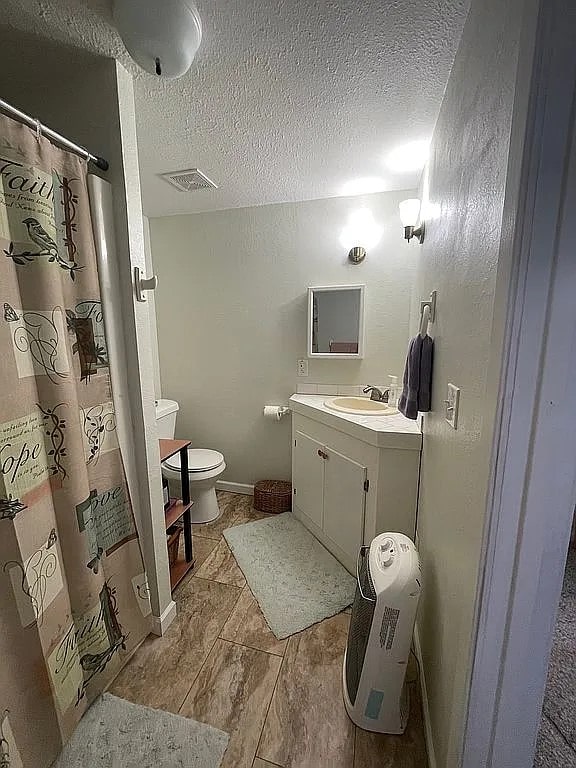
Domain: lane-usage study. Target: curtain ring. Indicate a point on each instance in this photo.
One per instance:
(38, 129)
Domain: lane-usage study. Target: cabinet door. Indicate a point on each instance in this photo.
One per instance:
(344, 502)
(308, 476)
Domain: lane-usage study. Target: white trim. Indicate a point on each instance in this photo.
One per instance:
(244, 488)
(161, 623)
(534, 479)
(425, 703)
(126, 373)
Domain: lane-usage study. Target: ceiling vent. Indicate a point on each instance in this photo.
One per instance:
(189, 181)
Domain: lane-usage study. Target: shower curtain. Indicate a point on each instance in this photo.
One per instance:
(73, 592)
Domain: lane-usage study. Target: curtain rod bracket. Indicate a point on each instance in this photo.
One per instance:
(99, 162)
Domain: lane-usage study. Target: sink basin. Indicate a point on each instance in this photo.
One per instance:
(361, 406)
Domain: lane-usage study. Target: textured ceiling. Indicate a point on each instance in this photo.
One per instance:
(286, 100)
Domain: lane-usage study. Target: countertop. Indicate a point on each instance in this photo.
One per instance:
(394, 431)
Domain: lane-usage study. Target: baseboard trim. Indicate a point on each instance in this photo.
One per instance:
(160, 624)
(245, 488)
(425, 705)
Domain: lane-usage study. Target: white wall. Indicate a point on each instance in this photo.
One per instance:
(462, 258)
(232, 312)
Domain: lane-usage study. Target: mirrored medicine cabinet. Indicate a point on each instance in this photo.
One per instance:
(336, 321)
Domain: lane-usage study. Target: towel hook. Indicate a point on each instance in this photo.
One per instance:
(142, 284)
(427, 313)
(424, 320)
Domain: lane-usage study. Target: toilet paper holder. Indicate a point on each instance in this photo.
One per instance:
(276, 412)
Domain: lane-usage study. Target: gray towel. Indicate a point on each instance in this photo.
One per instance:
(417, 383)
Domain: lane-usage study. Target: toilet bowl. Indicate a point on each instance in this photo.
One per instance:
(204, 467)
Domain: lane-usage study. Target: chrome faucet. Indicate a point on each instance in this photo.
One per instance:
(377, 394)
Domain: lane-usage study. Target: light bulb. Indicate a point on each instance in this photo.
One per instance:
(361, 230)
(409, 212)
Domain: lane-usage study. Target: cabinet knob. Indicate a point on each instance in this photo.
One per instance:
(322, 454)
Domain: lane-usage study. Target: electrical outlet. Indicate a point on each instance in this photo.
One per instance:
(451, 405)
(303, 367)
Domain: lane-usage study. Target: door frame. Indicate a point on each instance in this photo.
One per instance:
(533, 482)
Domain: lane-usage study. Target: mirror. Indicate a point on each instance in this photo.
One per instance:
(336, 321)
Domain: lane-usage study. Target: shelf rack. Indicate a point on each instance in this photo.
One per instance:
(180, 508)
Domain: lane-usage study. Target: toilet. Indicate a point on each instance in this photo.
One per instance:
(204, 466)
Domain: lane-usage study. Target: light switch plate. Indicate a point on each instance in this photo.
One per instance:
(303, 367)
(451, 405)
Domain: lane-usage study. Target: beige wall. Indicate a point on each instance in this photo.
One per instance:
(232, 310)
(464, 259)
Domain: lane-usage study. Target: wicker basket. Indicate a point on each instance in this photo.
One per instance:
(173, 543)
(273, 496)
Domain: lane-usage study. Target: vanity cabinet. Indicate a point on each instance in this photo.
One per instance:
(330, 491)
(350, 484)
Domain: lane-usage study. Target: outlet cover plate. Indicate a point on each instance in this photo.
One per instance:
(303, 367)
(452, 404)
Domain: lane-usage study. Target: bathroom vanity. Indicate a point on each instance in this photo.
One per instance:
(353, 476)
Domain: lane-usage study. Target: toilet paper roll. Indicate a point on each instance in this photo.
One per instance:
(275, 412)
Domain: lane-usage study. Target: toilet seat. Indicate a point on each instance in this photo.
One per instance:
(199, 460)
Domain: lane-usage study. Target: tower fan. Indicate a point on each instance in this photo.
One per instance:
(381, 627)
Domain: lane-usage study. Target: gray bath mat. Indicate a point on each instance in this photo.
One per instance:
(117, 734)
(295, 580)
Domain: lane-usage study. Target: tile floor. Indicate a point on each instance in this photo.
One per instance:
(280, 700)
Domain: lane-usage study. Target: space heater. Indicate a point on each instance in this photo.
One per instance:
(383, 615)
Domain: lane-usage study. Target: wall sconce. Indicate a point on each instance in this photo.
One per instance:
(409, 213)
(357, 254)
(360, 228)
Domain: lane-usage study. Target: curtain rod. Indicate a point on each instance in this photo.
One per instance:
(99, 162)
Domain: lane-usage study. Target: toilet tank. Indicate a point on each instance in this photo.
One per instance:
(166, 411)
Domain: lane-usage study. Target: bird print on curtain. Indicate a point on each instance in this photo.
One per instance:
(72, 605)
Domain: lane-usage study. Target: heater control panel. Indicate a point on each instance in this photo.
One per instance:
(385, 555)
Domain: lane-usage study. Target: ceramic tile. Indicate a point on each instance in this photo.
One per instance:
(373, 750)
(232, 692)
(202, 548)
(250, 515)
(307, 389)
(218, 663)
(162, 670)
(327, 389)
(248, 626)
(221, 566)
(228, 503)
(307, 725)
(349, 391)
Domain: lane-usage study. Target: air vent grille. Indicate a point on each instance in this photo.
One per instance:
(189, 181)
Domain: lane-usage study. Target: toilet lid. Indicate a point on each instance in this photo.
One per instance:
(199, 460)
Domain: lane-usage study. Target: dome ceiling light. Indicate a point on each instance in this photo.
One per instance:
(162, 36)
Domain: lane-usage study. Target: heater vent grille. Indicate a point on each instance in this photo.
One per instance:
(192, 180)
